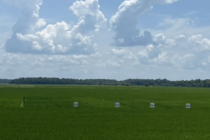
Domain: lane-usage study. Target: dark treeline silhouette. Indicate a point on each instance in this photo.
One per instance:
(4, 81)
(128, 82)
(63, 81)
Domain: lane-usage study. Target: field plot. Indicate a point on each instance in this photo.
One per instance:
(48, 113)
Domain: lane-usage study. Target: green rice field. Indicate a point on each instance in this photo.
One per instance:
(48, 113)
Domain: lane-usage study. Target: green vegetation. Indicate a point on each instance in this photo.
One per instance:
(49, 114)
(4, 81)
(128, 82)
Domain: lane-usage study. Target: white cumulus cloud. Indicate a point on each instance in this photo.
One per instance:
(124, 22)
(58, 38)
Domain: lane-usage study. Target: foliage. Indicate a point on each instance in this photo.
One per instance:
(128, 82)
(49, 114)
(4, 81)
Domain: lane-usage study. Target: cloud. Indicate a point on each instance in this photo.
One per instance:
(149, 52)
(28, 22)
(183, 52)
(89, 11)
(120, 63)
(124, 54)
(172, 27)
(40, 23)
(199, 43)
(124, 22)
(175, 47)
(58, 38)
(14, 65)
(25, 5)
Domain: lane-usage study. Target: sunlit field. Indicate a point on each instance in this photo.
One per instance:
(48, 113)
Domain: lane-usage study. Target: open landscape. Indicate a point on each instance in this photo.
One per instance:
(48, 113)
(104, 70)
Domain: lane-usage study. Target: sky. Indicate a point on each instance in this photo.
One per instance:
(106, 39)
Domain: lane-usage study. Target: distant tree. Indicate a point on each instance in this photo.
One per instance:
(146, 84)
(5, 81)
(128, 82)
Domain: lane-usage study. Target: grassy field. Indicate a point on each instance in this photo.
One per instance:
(49, 114)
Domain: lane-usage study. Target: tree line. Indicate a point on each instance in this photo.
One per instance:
(4, 81)
(128, 82)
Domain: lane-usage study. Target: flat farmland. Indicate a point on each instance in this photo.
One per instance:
(48, 113)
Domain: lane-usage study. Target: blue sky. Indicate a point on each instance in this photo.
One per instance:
(117, 39)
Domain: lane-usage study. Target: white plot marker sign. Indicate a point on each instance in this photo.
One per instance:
(152, 105)
(117, 104)
(75, 104)
(188, 105)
